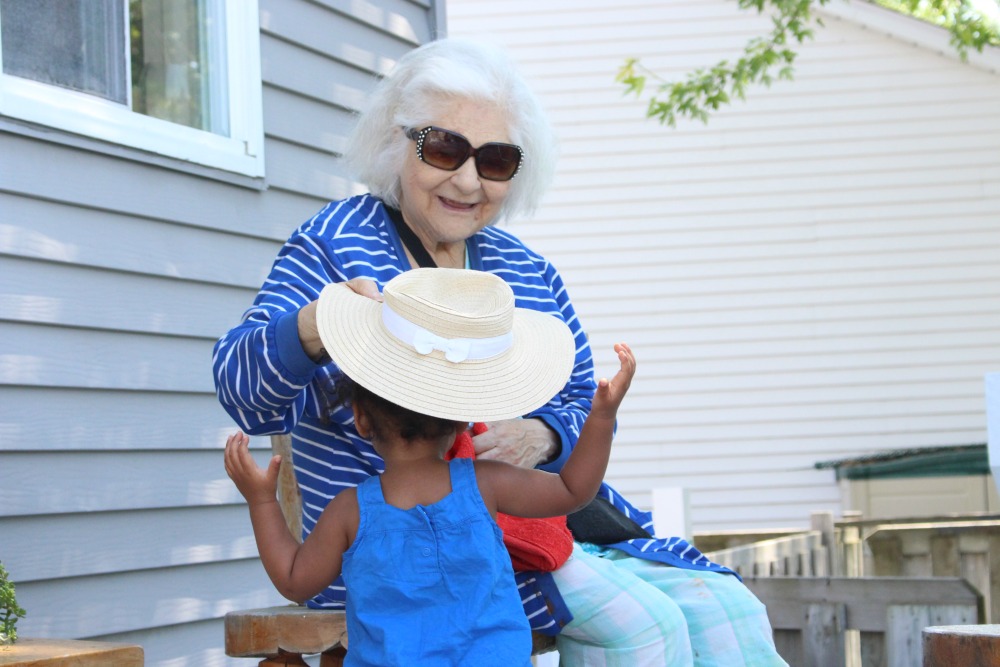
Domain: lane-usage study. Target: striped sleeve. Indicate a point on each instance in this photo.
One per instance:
(537, 285)
(261, 374)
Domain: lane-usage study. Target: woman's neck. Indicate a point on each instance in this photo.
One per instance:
(423, 251)
(449, 256)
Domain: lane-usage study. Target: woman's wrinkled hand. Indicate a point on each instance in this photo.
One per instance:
(365, 287)
(522, 442)
(312, 345)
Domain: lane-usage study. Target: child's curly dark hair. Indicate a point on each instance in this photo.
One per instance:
(387, 418)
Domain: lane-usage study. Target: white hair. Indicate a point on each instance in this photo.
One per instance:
(430, 77)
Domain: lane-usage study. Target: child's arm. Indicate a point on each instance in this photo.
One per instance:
(297, 571)
(534, 493)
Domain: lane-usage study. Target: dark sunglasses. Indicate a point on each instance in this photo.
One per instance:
(449, 150)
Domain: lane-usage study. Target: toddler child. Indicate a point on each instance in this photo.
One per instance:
(429, 581)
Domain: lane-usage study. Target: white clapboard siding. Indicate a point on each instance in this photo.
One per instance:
(118, 272)
(812, 274)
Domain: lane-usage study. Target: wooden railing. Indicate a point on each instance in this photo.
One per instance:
(856, 592)
(801, 555)
(965, 546)
(816, 552)
(815, 619)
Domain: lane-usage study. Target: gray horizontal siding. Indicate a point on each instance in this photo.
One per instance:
(95, 605)
(76, 182)
(193, 643)
(117, 275)
(47, 418)
(131, 541)
(97, 481)
(123, 242)
(109, 301)
(64, 357)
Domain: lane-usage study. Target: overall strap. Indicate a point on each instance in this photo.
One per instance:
(410, 239)
(462, 473)
(370, 492)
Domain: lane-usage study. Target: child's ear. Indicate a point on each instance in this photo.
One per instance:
(361, 422)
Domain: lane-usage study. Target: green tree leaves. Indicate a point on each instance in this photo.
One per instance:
(970, 26)
(772, 56)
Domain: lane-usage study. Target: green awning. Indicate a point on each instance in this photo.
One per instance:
(917, 462)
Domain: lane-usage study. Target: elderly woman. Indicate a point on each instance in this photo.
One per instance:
(454, 142)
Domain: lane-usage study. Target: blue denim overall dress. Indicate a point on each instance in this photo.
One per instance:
(432, 585)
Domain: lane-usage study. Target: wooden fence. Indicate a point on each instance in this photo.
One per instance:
(889, 572)
(824, 550)
(815, 619)
(803, 555)
(952, 546)
(949, 548)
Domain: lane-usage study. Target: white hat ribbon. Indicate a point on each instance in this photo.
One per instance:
(456, 350)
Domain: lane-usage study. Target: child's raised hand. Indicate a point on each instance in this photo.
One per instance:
(256, 484)
(610, 393)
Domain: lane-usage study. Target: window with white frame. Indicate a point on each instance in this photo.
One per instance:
(179, 78)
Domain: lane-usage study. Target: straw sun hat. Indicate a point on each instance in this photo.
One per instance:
(447, 343)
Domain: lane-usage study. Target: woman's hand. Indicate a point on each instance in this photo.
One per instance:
(309, 332)
(522, 442)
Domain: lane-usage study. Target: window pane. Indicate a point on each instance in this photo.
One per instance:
(178, 62)
(50, 52)
(77, 44)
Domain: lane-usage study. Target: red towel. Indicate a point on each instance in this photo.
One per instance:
(540, 545)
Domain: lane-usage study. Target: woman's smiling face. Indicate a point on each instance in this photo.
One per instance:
(447, 207)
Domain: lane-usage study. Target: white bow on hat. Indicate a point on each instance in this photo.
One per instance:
(456, 350)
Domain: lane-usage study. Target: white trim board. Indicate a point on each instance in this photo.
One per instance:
(909, 29)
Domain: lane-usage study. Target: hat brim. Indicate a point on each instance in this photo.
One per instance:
(511, 384)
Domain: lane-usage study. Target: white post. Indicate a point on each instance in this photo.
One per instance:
(672, 512)
(993, 424)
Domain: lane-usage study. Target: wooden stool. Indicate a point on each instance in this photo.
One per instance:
(282, 635)
(965, 645)
(29, 652)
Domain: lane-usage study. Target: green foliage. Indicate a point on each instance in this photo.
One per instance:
(9, 609)
(772, 56)
(969, 25)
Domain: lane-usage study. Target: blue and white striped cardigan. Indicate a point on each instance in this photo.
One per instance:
(268, 385)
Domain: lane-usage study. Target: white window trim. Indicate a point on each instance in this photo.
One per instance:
(242, 152)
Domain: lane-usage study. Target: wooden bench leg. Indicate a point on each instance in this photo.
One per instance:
(283, 660)
(333, 658)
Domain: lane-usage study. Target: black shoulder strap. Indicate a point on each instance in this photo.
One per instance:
(410, 239)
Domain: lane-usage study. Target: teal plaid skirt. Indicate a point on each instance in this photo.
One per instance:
(633, 612)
